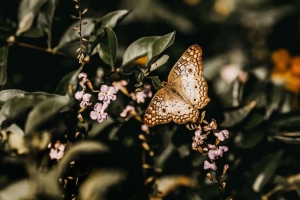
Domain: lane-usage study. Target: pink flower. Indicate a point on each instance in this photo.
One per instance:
(84, 79)
(57, 152)
(215, 153)
(86, 100)
(208, 165)
(79, 95)
(126, 112)
(107, 93)
(119, 85)
(222, 135)
(147, 91)
(139, 96)
(98, 113)
(145, 128)
(198, 139)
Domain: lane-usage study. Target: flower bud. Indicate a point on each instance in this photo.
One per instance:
(209, 176)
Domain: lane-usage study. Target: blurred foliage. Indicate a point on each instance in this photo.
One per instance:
(251, 60)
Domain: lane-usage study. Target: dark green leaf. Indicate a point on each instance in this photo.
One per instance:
(71, 36)
(20, 102)
(108, 47)
(3, 64)
(274, 96)
(45, 110)
(109, 20)
(286, 120)
(264, 170)
(250, 139)
(45, 17)
(27, 12)
(289, 137)
(159, 46)
(235, 116)
(69, 81)
(255, 119)
(156, 82)
(79, 149)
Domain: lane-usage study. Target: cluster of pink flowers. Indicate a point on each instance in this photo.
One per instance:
(106, 95)
(56, 150)
(140, 97)
(214, 151)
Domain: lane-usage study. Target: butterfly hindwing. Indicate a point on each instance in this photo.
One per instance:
(193, 91)
(181, 111)
(158, 111)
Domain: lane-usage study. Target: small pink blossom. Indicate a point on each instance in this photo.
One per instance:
(215, 153)
(147, 91)
(84, 79)
(126, 112)
(98, 113)
(57, 152)
(145, 128)
(139, 96)
(222, 135)
(208, 165)
(107, 93)
(79, 95)
(198, 139)
(86, 100)
(119, 85)
(142, 95)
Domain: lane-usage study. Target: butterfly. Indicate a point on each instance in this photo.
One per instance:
(183, 94)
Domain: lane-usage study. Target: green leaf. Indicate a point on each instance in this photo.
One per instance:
(156, 82)
(286, 120)
(250, 139)
(235, 116)
(93, 24)
(24, 187)
(111, 19)
(68, 82)
(90, 188)
(138, 49)
(255, 119)
(19, 103)
(71, 36)
(108, 47)
(45, 17)
(3, 64)
(5, 95)
(289, 137)
(27, 12)
(150, 46)
(161, 61)
(79, 149)
(45, 110)
(159, 46)
(264, 170)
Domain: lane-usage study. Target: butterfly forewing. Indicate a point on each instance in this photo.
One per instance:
(188, 65)
(158, 111)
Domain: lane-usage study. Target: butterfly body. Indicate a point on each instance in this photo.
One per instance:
(185, 92)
